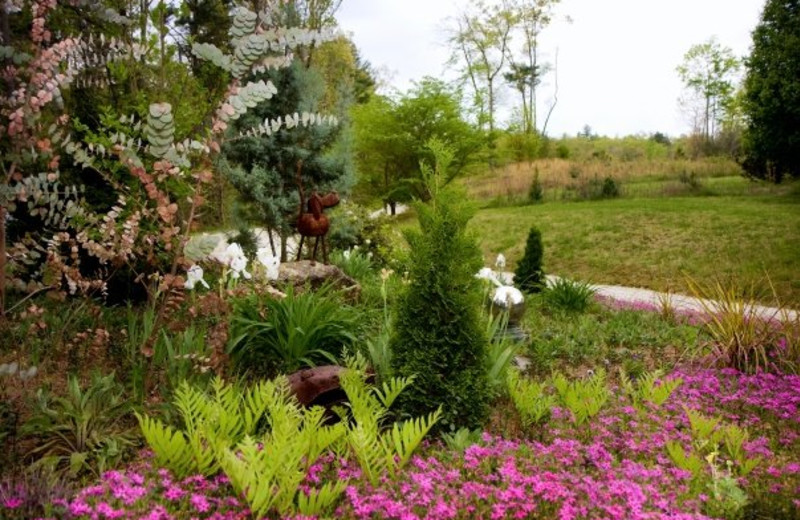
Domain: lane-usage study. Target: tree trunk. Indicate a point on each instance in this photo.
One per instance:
(393, 207)
(283, 245)
(2, 263)
(271, 241)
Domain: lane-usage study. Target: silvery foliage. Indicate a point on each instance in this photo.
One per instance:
(258, 45)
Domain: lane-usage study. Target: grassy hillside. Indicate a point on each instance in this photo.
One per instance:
(655, 242)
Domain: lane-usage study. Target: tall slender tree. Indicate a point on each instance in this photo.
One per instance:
(772, 94)
(709, 71)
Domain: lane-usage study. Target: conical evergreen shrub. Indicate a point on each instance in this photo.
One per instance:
(529, 276)
(437, 334)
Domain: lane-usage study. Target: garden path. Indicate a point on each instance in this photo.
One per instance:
(681, 303)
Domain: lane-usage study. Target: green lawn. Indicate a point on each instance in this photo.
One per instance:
(655, 242)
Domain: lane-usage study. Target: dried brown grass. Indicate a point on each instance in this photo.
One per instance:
(558, 174)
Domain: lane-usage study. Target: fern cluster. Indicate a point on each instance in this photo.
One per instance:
(379, 449)
(649, 387)
(709, 439)
(265, 442)
(529, 398)
(584, 398)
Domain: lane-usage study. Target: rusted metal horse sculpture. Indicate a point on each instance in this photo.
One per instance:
(314, 223)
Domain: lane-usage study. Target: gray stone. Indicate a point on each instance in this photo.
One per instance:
(306, 273)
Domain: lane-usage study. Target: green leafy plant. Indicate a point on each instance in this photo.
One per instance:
(529, 398)
(461, 439)
(272, 336)
(184, 357)
(529, 276)
(268, 470)
(221, 432)
(501, 350)
(353, 262)
(85, 429)
(378, 447)
(649, 387)
(378, 348)
(713, 441)
(584, 398)
(211, 421)
(569, 296)
(438, 337)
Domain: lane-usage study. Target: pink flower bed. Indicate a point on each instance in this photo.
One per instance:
(615, 467)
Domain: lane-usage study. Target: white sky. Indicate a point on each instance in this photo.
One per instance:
(617, 58)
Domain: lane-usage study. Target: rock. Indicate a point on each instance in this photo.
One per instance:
(305, 273)
(317, 386)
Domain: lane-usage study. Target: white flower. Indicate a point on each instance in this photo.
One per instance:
(193, 276)
(239, 268)
(270, 263)
(507, 296)
(506, 278)
(234, 258)
(500, 263)
(485, 274)
(232, 252)
(346, 254)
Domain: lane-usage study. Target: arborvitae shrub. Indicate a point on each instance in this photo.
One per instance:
(437, 334)
(536, 193)
(529, 276)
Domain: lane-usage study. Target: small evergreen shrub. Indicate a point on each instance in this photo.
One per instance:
(536, 192)
(438, 337)
(529, 276)
(610, 189)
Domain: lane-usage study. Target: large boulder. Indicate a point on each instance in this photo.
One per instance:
(306, 273)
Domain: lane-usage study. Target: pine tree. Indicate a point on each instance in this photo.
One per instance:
(263, 168)
(529, 276)
(437, 335)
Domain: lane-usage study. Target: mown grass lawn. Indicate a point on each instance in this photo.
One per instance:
(657, 242)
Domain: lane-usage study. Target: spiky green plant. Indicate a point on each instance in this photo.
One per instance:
(83, 430)
(569, 296)
(281, 336)
(742, 335)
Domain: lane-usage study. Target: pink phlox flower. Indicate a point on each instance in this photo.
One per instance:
(200, 503)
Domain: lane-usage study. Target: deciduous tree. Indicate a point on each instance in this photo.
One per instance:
(772, 94)
(709, 72)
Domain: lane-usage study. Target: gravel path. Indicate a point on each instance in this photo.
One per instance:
(680, 302)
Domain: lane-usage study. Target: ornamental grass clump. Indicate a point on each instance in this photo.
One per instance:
(438, 337)
(745, 337)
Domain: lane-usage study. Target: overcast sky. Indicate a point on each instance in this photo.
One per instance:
(616, 60)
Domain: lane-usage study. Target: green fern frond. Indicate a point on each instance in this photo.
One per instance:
(405, 437)
(169, 446)
(317, 501)
(391, 390)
